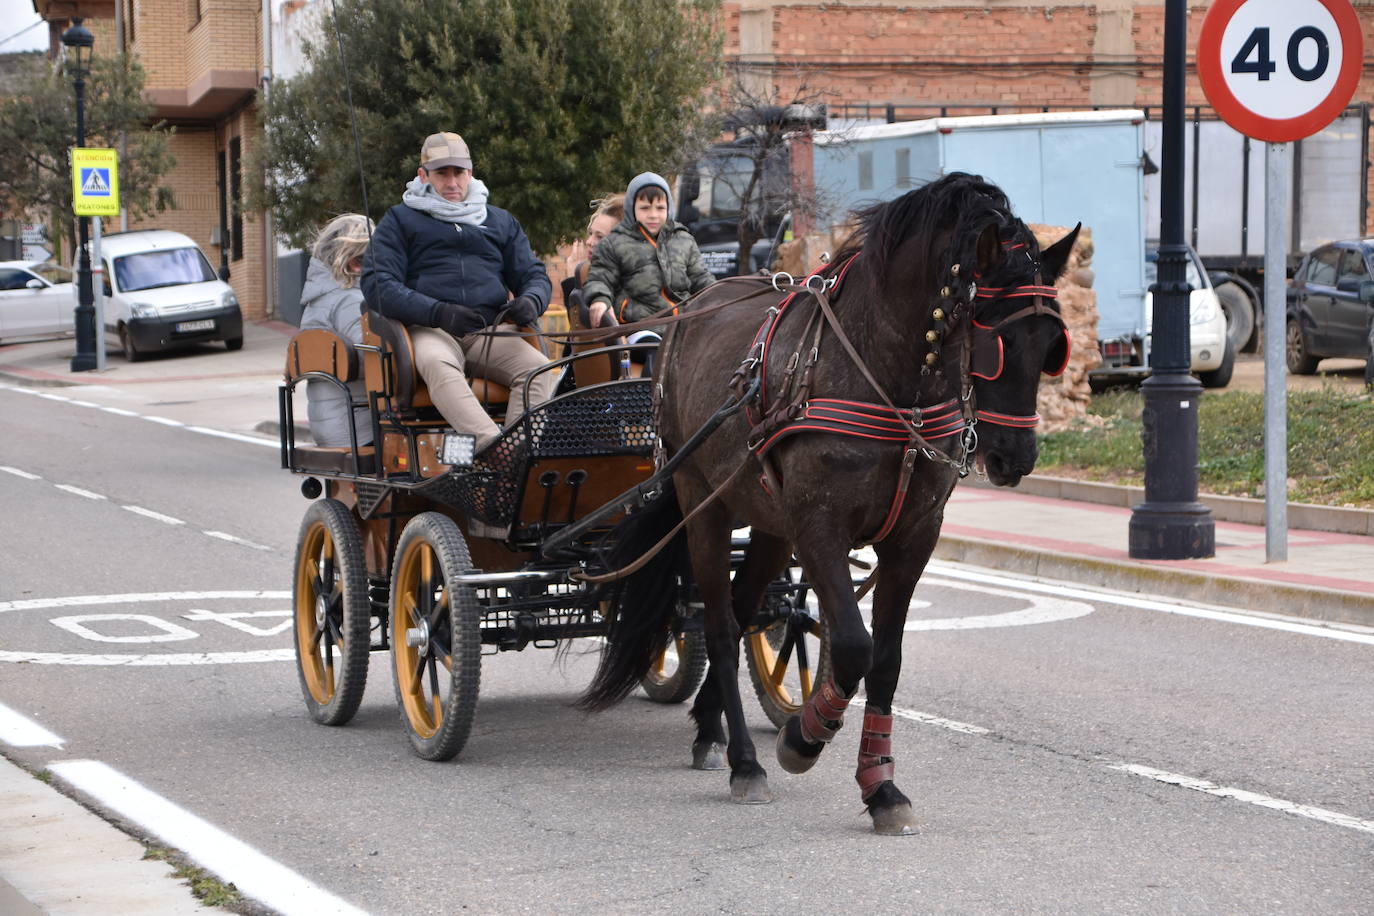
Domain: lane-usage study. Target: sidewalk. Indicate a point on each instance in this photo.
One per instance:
(1057, 529)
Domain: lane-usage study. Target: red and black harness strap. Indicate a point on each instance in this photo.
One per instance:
(876, 765)
(823, 714)
(869, 421)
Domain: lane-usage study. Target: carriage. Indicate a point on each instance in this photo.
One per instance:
(409, 546)
(942, 302)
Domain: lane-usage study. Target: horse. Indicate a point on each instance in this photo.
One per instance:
(941, 302)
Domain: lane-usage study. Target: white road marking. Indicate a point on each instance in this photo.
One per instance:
(38, 604)
(85, 404)
(156, 516)
(1346, 632)
(237, 437)
(235, 540)
(1254, 798)
(19, 390)
(163, 420)
(18, 473)
(232, 860)
(77, 491)
(236, 620)
(1041, 610)
(167, 631)
(926, 718)
(148, 661)
(20, 731)
(119, 411)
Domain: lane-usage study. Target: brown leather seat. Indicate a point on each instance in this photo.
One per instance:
(317, 351)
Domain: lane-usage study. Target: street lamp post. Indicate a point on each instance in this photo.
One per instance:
(79, 41)
(1171, 524)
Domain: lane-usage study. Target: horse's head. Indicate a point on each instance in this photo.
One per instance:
(1016, 335)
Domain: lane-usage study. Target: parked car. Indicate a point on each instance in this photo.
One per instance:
(1212, 356)
(37, 300)
(1331, 307)
(161, 293)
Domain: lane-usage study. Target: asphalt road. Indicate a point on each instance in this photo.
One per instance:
(1042, 731)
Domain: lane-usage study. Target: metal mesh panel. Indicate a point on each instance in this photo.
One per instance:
(611, 419)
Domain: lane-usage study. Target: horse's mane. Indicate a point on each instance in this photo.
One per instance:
(949, 213)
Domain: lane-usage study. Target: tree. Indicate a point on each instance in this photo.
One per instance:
(38, 127)
(749, 177)
(560, 101)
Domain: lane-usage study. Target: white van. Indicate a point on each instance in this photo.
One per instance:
(161, 293)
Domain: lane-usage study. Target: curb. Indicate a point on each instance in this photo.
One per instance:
(1245, 510)
(1330, 605)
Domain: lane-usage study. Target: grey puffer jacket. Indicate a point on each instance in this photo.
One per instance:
(333, 308)
(634, 274)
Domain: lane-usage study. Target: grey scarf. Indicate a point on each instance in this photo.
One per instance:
(472, 211)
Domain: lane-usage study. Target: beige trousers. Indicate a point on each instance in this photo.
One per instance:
(443, 361)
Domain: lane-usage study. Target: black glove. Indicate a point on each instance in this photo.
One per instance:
(524, 311)
(458, 320)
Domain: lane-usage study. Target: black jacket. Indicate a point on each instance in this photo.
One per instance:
(416, 261)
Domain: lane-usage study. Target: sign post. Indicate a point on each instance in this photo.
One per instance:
(95, 193)
(1278, 71)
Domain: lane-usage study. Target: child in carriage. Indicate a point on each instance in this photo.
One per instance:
(648, 263)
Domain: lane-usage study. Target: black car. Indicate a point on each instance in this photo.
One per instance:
(1331, 307)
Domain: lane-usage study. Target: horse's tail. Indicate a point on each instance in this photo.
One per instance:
(642, 605)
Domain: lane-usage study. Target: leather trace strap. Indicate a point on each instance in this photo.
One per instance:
(876, 764)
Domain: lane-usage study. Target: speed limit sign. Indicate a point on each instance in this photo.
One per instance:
(1280, 70)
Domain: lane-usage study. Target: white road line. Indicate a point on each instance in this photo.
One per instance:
(38, 604)
(163, 420)
(237, 437)
(171, 659)
(926, 718)
(18, 473)
(1254, 798)
(120, 411)
(156, 516)
(235, 540)
(51, 397)
(1345, 632)
(20, 731)
(77, 491)
(232, 860)
(85, 404)
(19, 389)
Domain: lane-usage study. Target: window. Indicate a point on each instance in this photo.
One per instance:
(904, 168)
(1353, 270)
(170, 267)
(11, 278)
(236, 195)
(866, 171)
(1323, 269)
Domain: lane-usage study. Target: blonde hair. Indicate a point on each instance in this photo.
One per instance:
(612, 206)
(339, 242)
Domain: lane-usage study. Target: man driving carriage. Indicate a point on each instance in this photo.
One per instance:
(446, 263)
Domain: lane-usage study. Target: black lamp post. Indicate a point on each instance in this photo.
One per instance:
(1171, 524)
(79, 41)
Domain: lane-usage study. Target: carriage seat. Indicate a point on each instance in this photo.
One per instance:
(408, 391)
(317, 352)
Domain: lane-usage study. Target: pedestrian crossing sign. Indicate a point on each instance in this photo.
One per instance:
(95, 182)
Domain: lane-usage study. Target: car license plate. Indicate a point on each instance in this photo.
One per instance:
(184, 327)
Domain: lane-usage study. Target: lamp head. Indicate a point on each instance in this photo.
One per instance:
(79, 40)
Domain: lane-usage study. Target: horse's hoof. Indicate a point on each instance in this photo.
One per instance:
(899, 820)
(795, 755)
(750, 790)
(708, 756)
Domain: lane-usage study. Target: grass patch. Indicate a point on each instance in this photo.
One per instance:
(1330, 445)
(206, 887)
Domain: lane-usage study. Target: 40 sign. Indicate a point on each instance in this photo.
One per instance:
(1280, 70)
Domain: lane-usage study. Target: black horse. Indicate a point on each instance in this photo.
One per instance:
(871, 375)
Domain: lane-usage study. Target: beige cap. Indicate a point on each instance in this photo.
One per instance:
(444, 149)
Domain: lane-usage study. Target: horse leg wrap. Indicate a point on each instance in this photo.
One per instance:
(875, 754)
(823, 714)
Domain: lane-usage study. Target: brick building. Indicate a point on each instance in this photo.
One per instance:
(872, 58)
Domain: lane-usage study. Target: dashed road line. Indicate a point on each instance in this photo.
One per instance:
(18, 730)
(155, 516)
(77, 491)
(235, 540)
(18, 473)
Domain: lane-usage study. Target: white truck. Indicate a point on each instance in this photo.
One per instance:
(1058, 169)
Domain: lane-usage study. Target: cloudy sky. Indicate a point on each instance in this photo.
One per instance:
(18, 15)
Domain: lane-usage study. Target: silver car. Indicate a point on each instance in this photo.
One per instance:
(37, 300)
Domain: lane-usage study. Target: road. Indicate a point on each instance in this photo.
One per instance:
(1344, 374)
(1066, 750)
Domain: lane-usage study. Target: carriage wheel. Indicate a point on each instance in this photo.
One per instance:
(678, 671)
(436, 640)
(332, 612)
(788, 659)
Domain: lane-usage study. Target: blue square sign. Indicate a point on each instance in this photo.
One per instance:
(95, 182)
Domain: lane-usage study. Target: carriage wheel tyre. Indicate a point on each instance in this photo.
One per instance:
(332, 613)
(126, 343)
(436, 639)
(1220, 377)
(1300, 362)
(787, 661)
(679, 670)
(233, 343)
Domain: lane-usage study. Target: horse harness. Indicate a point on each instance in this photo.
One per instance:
(951, 422)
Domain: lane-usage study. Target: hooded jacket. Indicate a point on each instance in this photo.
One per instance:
(639, 275)
(416, 261)
(333, 308)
